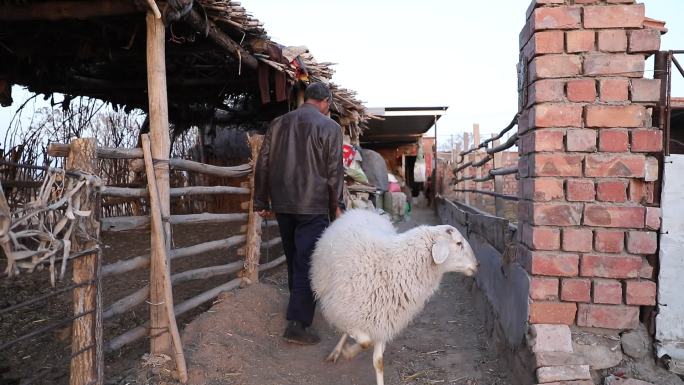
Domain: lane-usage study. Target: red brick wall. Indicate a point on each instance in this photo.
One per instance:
(588, 215)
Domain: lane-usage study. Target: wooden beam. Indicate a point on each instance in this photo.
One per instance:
(124, 192)
(143, 222)
(205, 26)
(61, 150)
(62, 10)
(160, 260)
(130, 301)
(84, 366)
(144, 260)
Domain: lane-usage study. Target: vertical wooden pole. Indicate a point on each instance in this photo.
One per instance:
(250, 273)
(478, 171)
(160, 248)
(498, 183)
(86, 339)
(300, 96)
(467, 172)
(159, 133)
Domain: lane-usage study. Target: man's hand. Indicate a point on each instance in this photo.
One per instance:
(264, 213)
(338, 213)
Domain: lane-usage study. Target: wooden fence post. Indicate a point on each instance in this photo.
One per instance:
(250, 274)
(498, 182)
(159, 134)
(86, 340)
(160, 252)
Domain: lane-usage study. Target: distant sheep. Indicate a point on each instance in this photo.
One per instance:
(371, 281)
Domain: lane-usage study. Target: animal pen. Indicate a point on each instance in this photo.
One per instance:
(205, 64)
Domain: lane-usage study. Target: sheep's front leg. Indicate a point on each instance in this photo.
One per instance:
(335, 354)
(378, 363)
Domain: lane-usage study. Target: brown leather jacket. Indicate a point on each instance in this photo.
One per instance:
(300, 165)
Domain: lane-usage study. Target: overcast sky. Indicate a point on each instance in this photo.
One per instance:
(399, 53)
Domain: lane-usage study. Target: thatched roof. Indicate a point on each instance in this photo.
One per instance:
(215, 51)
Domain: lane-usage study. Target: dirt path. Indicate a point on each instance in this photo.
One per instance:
(238, 342)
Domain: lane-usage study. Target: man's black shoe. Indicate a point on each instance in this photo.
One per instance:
(296, 333)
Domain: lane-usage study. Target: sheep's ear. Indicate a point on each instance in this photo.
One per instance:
(440, 251)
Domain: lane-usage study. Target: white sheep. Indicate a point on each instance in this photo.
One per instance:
(371, 281)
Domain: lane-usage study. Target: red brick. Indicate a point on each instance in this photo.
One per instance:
(544, 288)
(556, 165)
(541, 238)
(577, 240)
(640, 292)
(641, 192)
(555, 264)
(620, 1)
(612, 40)
(642, 242)
(581, 140)
(615, 65)
(613, 141)
(555, 66)
(580, 41)
(647, 141)
(608, 316)
(653, 215)
(646, 90)
(604, 165)
(552, 312)
(556, 214)
(613, 90)
(542, 140)
(576, 290)
(582, 90)
(610, 266)
(614, 216)
(585, 2)
(580, 190)
(545, 42)
(609, 241)
(615, 116)
(547, 90)
(651, 169)
(644, 40)
(556, 115)
(646, 270)
(614, 16)
(538, 3)
(544, 189)
(608, 291)
(556, 18)
(611, 191)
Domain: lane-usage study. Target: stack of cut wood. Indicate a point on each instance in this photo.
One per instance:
(232, 13)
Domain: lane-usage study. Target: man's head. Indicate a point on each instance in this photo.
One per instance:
(319, 95)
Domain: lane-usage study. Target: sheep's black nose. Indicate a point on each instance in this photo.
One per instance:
(478, 264)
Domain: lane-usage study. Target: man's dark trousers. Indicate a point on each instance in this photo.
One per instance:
(299, 234)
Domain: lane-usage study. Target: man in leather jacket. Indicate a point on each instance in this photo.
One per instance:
(300, 173)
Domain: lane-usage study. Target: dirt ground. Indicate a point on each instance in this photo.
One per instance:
(238, 341)
(46, 356)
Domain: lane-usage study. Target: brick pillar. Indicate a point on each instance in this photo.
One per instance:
(588, 215)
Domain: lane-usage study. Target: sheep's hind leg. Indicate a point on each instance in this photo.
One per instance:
(362, 343)
(335, 354)
(378, 363)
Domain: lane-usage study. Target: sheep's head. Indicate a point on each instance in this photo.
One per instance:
(452, 252)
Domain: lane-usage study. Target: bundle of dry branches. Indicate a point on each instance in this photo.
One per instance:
(39, 232)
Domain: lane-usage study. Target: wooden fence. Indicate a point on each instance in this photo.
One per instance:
(479, 174)
(88, 271)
